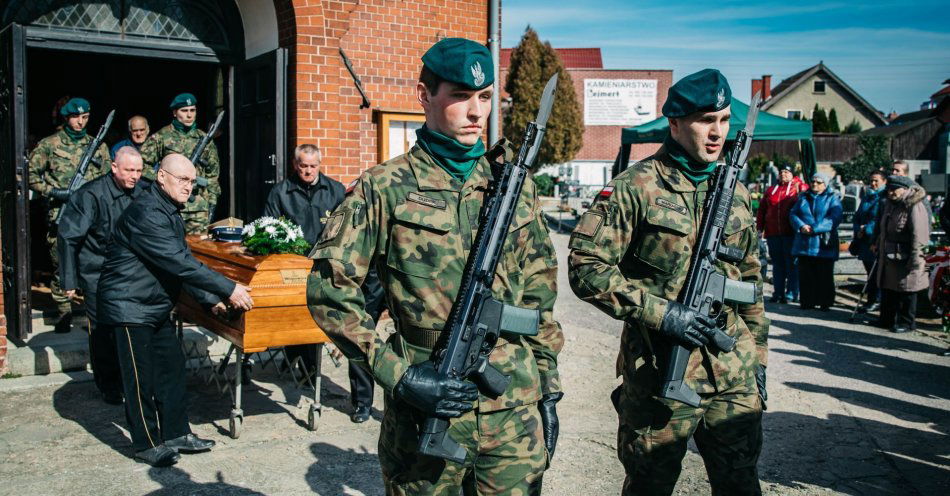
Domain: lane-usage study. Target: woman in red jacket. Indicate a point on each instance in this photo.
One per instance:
(772, 221)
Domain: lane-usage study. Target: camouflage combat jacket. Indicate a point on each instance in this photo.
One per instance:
(170, 140)
(630, 254)
(55, 161)
(416, 225)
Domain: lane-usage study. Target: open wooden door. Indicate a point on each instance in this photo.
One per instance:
(260, 136)
(14, 202)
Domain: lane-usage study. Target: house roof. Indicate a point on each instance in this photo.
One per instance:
(792, 82)
(572, 58)
(900, 128)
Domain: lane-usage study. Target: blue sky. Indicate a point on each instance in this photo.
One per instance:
(894, 53)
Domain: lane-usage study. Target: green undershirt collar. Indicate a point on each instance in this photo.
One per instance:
(181, 127)
(74, 135)
(693, 169)
(457, 159)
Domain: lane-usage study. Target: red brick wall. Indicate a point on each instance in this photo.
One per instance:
(384, 40)
(603, 142)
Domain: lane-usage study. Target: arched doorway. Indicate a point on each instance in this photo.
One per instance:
(132, 56)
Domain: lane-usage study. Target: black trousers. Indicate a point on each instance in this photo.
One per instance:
(816, 278)
(103, 358)
(873, 292)
(153, 376)
(898, 309)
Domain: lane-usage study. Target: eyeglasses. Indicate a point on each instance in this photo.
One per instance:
(815, 181)
(182, 180)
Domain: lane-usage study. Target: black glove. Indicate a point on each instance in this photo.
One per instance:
(435, 394)
(549, 422)
(760, 383)
(60, 194)
(686, 327)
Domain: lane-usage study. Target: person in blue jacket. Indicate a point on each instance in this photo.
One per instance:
(815, 218)
(865, 222)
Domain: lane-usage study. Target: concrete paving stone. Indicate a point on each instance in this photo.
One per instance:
(853, 410)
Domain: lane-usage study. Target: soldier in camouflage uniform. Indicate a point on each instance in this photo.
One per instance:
(629, 257)
(414, 219)
(182, 136)
(53, 163)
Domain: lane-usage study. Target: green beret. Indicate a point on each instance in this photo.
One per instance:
(183, 100)
(703, 91)
(75, 106)
(461, 61)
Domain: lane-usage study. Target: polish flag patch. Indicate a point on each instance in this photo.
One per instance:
(352, 185)
(605, 193)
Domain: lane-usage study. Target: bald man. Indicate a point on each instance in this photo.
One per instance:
(147, 265)
(138, 132)
(84, 232)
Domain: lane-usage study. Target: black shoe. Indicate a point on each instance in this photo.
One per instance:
(189, 443)
(64, 325)
(808, 307)
(774, 299)
(873, 307)
(783, 301)
(945, 352)
(823, 308)
(112, 398)
(159, 456)
(360, 415)
(900, 329)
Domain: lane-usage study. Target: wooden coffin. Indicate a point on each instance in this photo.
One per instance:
(279, 288)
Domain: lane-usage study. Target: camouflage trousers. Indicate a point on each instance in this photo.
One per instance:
(506, 453)
(653, 433)
(63, 303)
(195, 216)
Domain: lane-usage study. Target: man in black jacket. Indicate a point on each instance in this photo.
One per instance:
(147, 265)
(308, 198)
(85, 230)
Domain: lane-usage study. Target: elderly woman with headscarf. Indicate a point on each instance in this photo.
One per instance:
(772, 221)
(815, 218)
(903, 233)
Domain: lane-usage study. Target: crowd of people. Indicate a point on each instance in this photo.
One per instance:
(891, 229)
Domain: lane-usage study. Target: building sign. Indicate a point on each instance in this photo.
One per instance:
(619, 102)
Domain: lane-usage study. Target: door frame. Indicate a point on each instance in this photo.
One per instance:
(21, 324)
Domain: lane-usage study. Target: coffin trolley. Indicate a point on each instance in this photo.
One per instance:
(279, 318)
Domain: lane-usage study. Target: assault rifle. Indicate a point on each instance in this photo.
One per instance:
(477, 319)
(87, 156)
(201, 181)
(706, 290)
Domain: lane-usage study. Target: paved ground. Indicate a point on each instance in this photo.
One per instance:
(854, 410)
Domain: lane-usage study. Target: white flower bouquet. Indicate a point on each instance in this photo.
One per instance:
(267, 236)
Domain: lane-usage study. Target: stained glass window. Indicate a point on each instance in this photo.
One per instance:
(173, 20)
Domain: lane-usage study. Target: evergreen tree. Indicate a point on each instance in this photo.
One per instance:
(874, 153)
(819, 120)
(532, 64)
(833, 122)
(853, 128)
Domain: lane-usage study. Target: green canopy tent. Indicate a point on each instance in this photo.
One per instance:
(768, 127)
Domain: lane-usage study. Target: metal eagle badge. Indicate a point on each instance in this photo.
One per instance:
(478, 75)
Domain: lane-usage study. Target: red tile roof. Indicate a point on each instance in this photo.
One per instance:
(573, 58)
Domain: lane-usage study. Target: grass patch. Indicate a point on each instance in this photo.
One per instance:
(11, 375)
